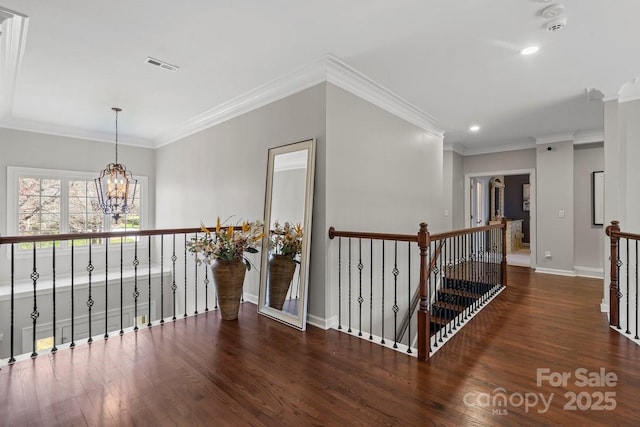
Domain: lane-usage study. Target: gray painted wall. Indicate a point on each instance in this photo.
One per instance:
(453, 190)
(383, 175)
(221, 171)
(554, 186)
(506, 160)
(588, 238)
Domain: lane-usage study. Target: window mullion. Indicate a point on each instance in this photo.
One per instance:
(64, 205)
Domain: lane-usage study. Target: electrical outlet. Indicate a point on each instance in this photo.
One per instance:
(547, 254)
(561, 214)
(446, 212)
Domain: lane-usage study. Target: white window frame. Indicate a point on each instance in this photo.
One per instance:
(15, 172)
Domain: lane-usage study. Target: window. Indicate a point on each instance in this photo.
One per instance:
(55, 202)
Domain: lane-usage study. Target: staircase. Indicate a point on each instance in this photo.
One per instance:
(463, 289)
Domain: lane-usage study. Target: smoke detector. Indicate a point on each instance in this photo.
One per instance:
(557, 25)
(553, 11)
(162, 64)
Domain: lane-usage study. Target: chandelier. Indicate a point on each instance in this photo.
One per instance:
(116, 186)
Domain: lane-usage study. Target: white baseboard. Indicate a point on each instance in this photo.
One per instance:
(322, 323)
(596, 273)
(253, 299)
(604, 308)
(556, 272)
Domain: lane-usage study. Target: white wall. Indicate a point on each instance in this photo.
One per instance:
(588, 238)
(554, 187)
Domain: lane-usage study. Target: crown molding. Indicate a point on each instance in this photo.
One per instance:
(498, 148)
(348, 78)
(12, 43)
(274, 90)
(552, 139)
(588, 137)
(456, 148)
(326, 69)
(70, 132)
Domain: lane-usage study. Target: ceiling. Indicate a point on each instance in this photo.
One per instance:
(456, 60)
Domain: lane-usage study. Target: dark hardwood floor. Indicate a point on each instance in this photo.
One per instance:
(255, 371)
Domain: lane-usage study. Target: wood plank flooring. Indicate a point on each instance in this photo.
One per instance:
(255, 371)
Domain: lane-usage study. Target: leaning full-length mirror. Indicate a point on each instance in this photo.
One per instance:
(288, 204)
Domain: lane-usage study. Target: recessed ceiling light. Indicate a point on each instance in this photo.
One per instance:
(529, 50)
(474, 128)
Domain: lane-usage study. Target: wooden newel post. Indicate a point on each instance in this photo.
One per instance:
(503, 263)
(424, 331)
(614, 296)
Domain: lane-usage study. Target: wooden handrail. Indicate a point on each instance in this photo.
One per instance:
(373, 236)
(98, 235)
(464, 231)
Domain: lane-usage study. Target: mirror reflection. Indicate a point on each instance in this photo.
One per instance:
(288, 205)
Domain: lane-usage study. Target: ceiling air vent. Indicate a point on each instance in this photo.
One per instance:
(557, 25)
(161, 64)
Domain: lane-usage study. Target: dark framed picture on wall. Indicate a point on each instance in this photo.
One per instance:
(597, 197)
(526, 193)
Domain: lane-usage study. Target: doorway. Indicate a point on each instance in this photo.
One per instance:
(518, 208)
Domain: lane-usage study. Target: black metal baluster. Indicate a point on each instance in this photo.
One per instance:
(636, 268)
(90, 299)
(447, 279)
(396, 272)
(53, 296)
(174, 286)
(136, 293)
(339, 282)
(185, 275)
(371, 291)
(195, 281)
(443, 286)
(628, 288)
(382, 312)
(349, 330)
(360, 299)
(149, 290)
(73, 275)
(619, 294)
(106, 289)
(429, 291)
(161, 279)
(636, 337)
(468, 268)
(121, 286)
(463, 267)
(206, 288)
(409, 296)
(433, 294)
(34, 314)
(12, 358)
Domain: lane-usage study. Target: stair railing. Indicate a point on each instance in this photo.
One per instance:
(623, 285)
(470, 265)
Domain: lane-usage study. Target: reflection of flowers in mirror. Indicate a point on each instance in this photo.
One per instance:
(227, 242)
(286, 239)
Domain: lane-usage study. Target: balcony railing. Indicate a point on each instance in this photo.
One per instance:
(60, 290)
